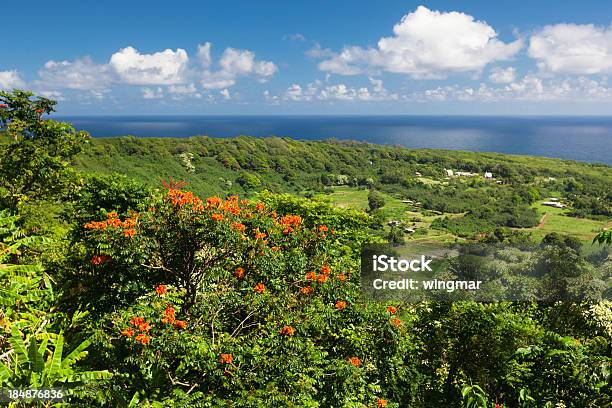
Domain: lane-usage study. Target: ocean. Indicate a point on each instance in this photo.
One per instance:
(587, 139)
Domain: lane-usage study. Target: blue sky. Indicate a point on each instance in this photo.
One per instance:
(312, 57)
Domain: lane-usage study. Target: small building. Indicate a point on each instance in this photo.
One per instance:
(488, 175)
(555, 204)
(449, 173)
(418, 174)
(409, 230)
(393, 223)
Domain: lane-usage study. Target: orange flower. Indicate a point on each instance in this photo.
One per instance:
(307, 290)
(392, 309)
(217, 217)
(260, 288)
(396, 322)
(169, 315)
(180, 324)
(275, 248)
(112, 214)
(355, 361)
(260, 206)
(381, 403)
(213, 201)
(100, 259)
(287, 331)
(161, 290)
(144, 327)
(342, 277)
(311, 275)
(259, 235)
(238, 226)
(129, 232)
(128, 332)
(323, 228)
(226, 359)
(96, 225)
(239, 273)
(340, 305)
(136, 321)
(322, 278)
(143, 339)
(325, 269)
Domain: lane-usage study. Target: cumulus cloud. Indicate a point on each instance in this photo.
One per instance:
(529, 87)
(236, 63)
(321, 91)
(152, 93)
(426, 44)
(10, 80)
(161, 68)
(81, 74)
(573, 48)
(502, 75)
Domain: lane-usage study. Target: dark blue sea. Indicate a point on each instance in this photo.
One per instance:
(586, 139)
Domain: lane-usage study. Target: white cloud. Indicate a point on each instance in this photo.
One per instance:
(319, 90)
(426, 44)
(225, 93)
(151, 93)
(204, 54)
(182, 89)
(573, 48)
(502, 75)
(234, 64)
(55, 95)
(161, 68)
(81, 74)
(10, 80)
(529, 87)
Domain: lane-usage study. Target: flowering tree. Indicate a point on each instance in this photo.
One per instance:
(231, 294)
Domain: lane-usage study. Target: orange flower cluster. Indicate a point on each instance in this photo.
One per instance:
(170, 318)
(355, 361)
(226, 359)
(113, 221)
(260, 207)
(239, 273)
(325, 272)
(238, 226)
(287, 331)
(381, 403)
(259, 234)
(342, 277)
(161, 290)
(180, 198)
(100, 259)
(392, 309)
(143, 327)
(290, 222)
(169, 315)
(260, 288)
(340, 305)
(217, 217)
(323, 228)
(213, 202)
(396, 322)
(307, 290)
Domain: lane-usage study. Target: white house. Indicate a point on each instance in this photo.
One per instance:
(449, 173)
(555, 204)
(488, 175)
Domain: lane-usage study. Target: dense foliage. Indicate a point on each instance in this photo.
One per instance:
(127, 293)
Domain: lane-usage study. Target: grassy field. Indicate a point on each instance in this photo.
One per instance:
(556, 221)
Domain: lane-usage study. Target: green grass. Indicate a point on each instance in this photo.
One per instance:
(556, 221)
